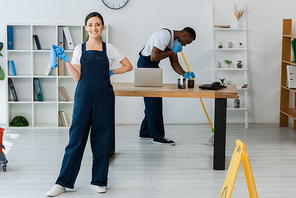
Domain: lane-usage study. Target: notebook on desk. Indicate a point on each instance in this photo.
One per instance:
(148, 77)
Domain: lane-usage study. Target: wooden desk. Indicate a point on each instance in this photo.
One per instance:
(171, 90)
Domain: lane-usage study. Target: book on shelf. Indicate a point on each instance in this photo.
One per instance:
(61, 66)
(68, 38)
(10, 37)
(64, 93)
(62, 118)
(37, 41)
(47, 70)
(61, 37)
(38, 89)
(12, 89)
(291, 76)
(65, 119)
(293, 45)
(12, 67)
(221, 26)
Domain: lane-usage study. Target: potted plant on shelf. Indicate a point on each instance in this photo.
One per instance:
(240, 45)
(228, 62)
(238, 15)
(239, 64)
(222, 80)
(220, 45)
(2, 74)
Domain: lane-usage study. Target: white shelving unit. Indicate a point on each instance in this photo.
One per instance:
(238, 76)
(31, 63)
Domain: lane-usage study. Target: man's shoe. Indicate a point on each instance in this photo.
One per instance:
(164, 141)
(99, 189)
(56, 190)
(144, 137)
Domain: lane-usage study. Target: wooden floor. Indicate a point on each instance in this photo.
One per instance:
(141, 169)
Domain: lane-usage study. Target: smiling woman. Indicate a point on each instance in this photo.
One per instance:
(94, 106)
(115, 4)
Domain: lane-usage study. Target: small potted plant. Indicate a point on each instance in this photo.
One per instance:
(222, 80)
(240, 45)
(228, 62)
(2, 75)
(239, 64)
(220, 45)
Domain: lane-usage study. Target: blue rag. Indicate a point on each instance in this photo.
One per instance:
(53, 57)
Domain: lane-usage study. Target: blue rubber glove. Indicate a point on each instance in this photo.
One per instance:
(110, 73)
(189, 75)
(61, 53)
(177, 47)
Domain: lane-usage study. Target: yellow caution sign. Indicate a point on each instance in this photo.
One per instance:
(239, 154)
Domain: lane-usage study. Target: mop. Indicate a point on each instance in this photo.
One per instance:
(210, 142)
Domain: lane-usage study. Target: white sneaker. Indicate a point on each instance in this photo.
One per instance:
(56, 190)
(99, 189)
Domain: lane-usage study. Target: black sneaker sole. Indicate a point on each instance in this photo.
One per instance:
(167, 144)
(145, 138)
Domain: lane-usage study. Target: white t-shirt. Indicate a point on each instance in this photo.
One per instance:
(161, 39)
(113, 54)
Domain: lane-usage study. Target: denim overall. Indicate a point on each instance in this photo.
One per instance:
(152, 123)
(93, 108)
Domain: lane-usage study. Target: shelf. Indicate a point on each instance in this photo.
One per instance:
(289, 112)
(230, 29)
(27, 127)
(290, 36)
(23, 76)
(289, 89)
(66, 102)
(230, 49)
(242, 89)
(42, 50)
(287, 103)
(44, 101)
(289, 62)
(237, 109)
(232, 37)
(230, 69)
(31, 63)
(19, 102)
(43, 76)
(13, 51)
(45, 125)
(65, 77)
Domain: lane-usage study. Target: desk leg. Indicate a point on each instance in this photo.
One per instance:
(220, 134)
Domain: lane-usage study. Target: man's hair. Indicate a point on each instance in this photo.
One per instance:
(190, 31)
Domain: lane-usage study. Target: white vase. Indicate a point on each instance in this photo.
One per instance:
(239, 24)
(219, 65)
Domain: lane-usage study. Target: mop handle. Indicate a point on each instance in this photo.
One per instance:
(185, 62)
(206, 112)
(199, 98)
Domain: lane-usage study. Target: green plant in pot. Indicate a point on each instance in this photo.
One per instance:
(19, 121)
(228, 62)
(2, 74)
(222, 80)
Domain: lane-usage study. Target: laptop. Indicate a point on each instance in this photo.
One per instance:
(148, 77)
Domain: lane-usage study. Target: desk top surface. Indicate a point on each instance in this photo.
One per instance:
(171, 90)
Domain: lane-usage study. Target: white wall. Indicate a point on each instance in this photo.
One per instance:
(131, 26)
